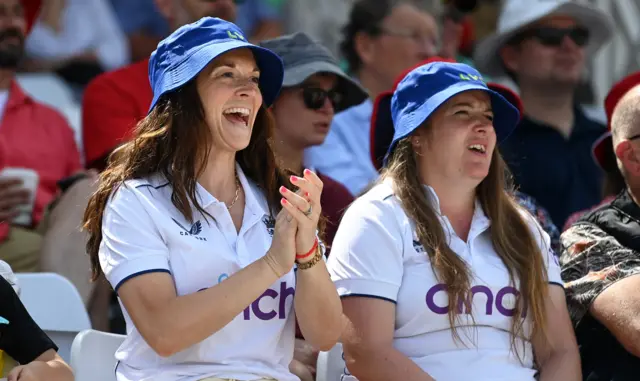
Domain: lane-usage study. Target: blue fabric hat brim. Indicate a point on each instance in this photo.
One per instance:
(176, 76)
(506, 115)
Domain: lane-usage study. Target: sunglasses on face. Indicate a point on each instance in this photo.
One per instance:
(314, 97)
(550, 36)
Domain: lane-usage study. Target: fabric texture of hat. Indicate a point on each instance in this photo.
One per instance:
(304, 57)
(603, 147)
(516, 15)
(180, 57)
(381, 123)
(425, 89)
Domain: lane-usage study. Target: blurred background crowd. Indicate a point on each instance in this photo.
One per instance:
(73, 84)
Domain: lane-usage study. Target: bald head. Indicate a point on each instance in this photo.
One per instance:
(625, 121)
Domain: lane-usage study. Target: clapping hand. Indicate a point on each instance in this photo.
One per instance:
(296, 223)
(304, 207)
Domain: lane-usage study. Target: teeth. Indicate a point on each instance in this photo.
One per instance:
(238, 110)
(477, 147)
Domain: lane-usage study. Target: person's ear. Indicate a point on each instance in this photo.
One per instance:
(509, 55)
(363, 45)
(626, 153)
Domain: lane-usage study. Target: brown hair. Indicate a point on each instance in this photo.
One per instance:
(510, 234)
(174, 141)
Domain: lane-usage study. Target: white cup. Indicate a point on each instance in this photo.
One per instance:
(30, 179)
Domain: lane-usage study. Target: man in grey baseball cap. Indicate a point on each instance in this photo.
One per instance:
(314, 90)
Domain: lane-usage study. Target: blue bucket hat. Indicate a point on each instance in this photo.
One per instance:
(181, 56)
(427, 87)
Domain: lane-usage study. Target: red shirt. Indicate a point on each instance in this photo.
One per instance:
(114, 102)
(37, 137)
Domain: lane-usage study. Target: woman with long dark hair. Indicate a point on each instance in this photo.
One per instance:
(198, 230)
(442, 274)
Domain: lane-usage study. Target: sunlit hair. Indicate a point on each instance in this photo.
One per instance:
(174, 141)
(510, 234)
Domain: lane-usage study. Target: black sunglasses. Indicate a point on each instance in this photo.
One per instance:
(315, 97)
(550, 36)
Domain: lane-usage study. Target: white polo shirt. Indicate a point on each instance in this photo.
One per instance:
(143, 232)
(376, 253)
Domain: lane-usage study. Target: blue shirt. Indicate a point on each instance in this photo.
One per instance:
(345, 155)
(559, 172)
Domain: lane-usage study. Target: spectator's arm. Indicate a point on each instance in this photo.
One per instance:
(113, 49)
(557, 353)
(602, 277)
(618, 309)
(24, 341)
(48, 366)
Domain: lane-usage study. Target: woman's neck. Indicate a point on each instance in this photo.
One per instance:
(457, 203)
(219, 177)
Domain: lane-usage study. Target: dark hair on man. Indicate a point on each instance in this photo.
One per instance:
(365, 17)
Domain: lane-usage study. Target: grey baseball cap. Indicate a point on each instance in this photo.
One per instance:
(304, 57)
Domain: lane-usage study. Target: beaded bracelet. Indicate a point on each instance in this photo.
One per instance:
(317, 258)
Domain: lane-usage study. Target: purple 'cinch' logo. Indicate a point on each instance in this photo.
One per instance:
(464, 305)
(284, 293)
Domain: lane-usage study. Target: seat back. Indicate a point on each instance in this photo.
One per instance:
(331, 365)
(93, 355)
(56, 306)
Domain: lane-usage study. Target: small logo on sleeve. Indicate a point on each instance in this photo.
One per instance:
(193, 231)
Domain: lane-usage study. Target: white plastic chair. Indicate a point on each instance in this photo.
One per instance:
(92, 355)
(331, 365)
(47, 88)
(55, 305)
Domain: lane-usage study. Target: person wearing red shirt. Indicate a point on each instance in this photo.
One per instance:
(32, 136)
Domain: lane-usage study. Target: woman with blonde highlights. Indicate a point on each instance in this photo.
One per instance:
(199, 231)
(442, 275)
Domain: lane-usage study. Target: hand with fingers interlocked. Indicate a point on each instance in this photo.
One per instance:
(296, 224)
(304, 206)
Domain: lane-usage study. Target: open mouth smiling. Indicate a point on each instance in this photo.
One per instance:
(238, 115)
(478, 148)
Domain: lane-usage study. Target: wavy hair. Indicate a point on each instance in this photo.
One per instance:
(510, 234)
(174, 141)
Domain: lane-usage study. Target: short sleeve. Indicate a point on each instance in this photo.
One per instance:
(591, 261)
(131, 242)
(366, 256)
(543, 240)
